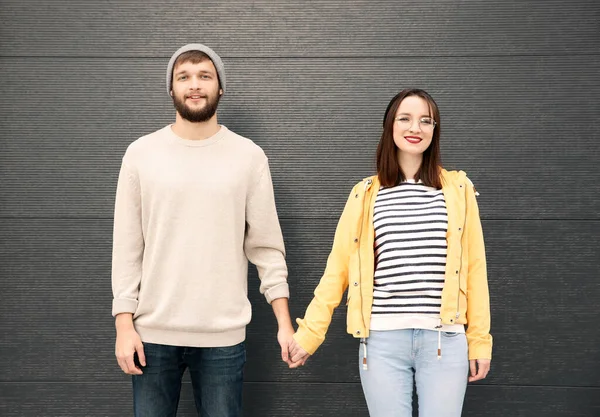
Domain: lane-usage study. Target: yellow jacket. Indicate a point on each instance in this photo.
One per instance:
(351, 264)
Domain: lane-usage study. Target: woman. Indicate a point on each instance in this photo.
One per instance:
(409, 248)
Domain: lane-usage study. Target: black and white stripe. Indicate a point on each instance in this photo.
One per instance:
(410, 223)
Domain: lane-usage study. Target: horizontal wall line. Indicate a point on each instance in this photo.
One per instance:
(30, 382)
(493, 219)
(291, 57)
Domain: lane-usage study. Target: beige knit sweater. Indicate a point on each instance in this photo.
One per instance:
(188, 217)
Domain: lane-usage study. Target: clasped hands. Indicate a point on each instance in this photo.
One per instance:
(291, 352)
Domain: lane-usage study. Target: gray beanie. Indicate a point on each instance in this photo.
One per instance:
(216, 59)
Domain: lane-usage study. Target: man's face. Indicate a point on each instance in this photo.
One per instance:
(195, 90)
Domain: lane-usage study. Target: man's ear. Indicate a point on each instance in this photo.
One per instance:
(220, 91)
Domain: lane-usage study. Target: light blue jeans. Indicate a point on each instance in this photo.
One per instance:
(394, 357)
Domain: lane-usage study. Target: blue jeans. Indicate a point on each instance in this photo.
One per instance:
(394, 357)
(216, 373)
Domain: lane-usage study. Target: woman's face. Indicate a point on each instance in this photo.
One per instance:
(413, 126)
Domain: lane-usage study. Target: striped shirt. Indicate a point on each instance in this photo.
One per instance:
(410, 222)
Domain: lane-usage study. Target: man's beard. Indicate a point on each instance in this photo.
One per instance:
(197, 115)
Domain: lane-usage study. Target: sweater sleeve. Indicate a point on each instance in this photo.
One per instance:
(263, 242)
(128, 243)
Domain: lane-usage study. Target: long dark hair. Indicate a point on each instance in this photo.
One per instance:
(388, 169)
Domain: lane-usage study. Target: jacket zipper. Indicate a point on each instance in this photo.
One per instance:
(367, 184)
(363, 340)
(461, 255)
(458, 272)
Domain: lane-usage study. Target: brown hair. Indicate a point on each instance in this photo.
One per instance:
(195, 57)
(388, 169)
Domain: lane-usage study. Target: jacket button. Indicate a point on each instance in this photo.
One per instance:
(460, 186)
(356, 196)
(356, 284)
(355, 240)
(460, 228)
(451, 320)
(358, 332)
(457, 272)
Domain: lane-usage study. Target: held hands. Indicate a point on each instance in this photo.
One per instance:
(298, 356)
(479, 369)
(291, 352)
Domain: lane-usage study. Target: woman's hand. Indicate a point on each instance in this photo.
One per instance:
(298, 356)
(479, 369)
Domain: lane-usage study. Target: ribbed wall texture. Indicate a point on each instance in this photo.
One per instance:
(517, 83)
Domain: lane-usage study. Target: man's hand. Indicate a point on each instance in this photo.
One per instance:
(298, 356)
(285, 338)
(284, 323)
(479, 369)
(128, 342)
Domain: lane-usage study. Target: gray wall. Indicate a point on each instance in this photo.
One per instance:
(518, 85)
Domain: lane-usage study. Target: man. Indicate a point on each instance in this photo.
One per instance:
(194, 203)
